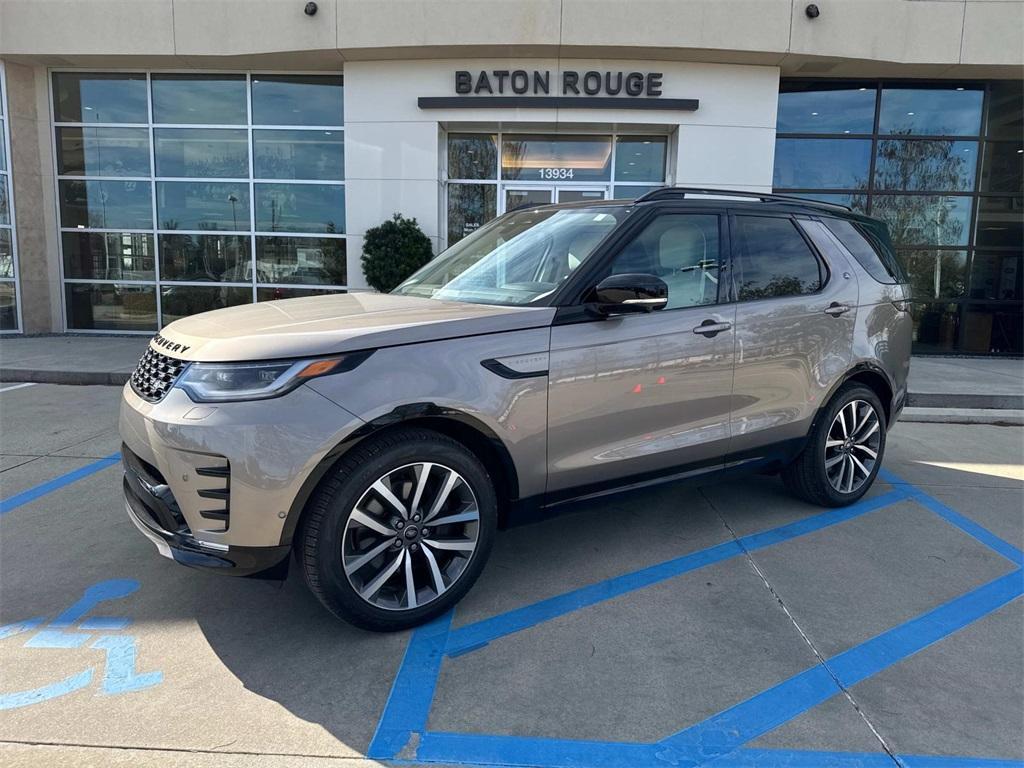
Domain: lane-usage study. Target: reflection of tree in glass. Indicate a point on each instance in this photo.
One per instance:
(929, 164)
(472, 157)
(777, 285)
(512, 155)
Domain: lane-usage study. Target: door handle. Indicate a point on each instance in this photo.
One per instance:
(836, 309)
(711, 329)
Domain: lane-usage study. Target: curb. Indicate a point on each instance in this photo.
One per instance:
(76, 378)
(1000, 417)
(987, 402)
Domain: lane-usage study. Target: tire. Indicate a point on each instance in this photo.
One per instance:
(812, 475)
(335, 541)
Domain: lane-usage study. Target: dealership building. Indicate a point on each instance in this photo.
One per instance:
(164, 157)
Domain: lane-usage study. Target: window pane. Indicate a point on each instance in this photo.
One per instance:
(1001, 171)
(3, 149)
(997, 275)
(178, 301)
(879, 264)
(8, 307)
(110, 307)
(630, 192)
(939, 166)
(5, 211)
(472, 156)
(556, 158)
(201, 152)
(817, 108)
(273, 294)
(303, 260)
(936, 327)
(209, 99)
(300, 208)
(1006, 110)
(6, 254)
(103, 151)
(113, 256)
(936, 274)
(774, 259)
(470, 206)
(297, 100)
(640, 159)
(933, 111)
(924, 220)
(992, 329)
(683, 249)
(106, 204)
(857, 203)
(1000, 222)
(822, 163)
(99, 98)
(202, 205)
(220, 258)
(299, 155)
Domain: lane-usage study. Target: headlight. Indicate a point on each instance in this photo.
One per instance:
(224, 382)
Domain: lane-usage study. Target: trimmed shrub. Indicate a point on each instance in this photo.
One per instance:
(394, 250)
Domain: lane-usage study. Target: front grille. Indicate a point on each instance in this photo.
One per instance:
(155, 374)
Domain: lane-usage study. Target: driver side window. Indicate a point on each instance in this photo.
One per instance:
(683, 249)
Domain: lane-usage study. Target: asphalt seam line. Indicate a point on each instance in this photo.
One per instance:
(807, 640)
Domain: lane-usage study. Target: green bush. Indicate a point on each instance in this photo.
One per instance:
(393, 251)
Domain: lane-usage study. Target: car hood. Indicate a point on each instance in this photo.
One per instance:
(341, 322)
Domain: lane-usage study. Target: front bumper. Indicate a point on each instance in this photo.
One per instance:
(152, 510)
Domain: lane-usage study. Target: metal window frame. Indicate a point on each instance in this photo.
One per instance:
(159, 283)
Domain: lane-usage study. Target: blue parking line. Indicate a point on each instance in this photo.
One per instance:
(479, 634)
(729, 730)
(25, 497)
(718, 740)
(965, 524)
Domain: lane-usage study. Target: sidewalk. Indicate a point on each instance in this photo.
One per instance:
(967, 390)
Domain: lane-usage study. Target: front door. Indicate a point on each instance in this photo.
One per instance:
(527, 196)
(647, 393)
(580, 194)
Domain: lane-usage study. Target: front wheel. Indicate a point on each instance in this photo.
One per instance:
(843, 452)
(400, 531)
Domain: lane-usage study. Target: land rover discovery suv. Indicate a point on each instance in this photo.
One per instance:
(558, 353)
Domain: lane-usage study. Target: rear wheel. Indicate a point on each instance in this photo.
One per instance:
(844, 450)
(400, 532)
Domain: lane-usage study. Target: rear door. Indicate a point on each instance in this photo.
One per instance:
(795, 320)
(645, 394)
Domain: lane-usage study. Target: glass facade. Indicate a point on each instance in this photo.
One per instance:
(941, 163)
(491, 173)
(181, 193)
(9, 293)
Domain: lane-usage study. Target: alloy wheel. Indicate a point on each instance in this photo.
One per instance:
(410, 536)
(852, 445)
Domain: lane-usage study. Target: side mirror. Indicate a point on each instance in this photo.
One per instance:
(619, 294)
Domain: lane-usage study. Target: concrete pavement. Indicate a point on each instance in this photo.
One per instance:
(615, 635)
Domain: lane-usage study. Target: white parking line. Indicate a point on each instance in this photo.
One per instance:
(17, 386)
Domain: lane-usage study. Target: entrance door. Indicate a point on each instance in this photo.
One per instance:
(524, 197)
(580, 195)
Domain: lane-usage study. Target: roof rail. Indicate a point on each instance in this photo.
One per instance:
(674, 193)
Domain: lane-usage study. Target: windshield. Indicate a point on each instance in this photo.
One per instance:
(516, 259)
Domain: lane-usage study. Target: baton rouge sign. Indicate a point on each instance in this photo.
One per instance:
(592, 89)
(592, 83)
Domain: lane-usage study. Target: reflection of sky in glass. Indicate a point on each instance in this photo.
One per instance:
(103, 151)
(213, 100)
(930, 111)
(299, 155)
(829, 110)
(202, 205)
(300, 208)
(88, 98)
(201, 152)
(822, 163)
(528, 157)
(297, 100)
(106, 204)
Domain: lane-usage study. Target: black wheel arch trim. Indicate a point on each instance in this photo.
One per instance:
(865, 366)
(425, 414)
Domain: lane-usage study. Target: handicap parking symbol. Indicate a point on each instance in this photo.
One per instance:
(71, 629)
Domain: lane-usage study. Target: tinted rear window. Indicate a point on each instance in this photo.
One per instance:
(869, 249)
(773, 259)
